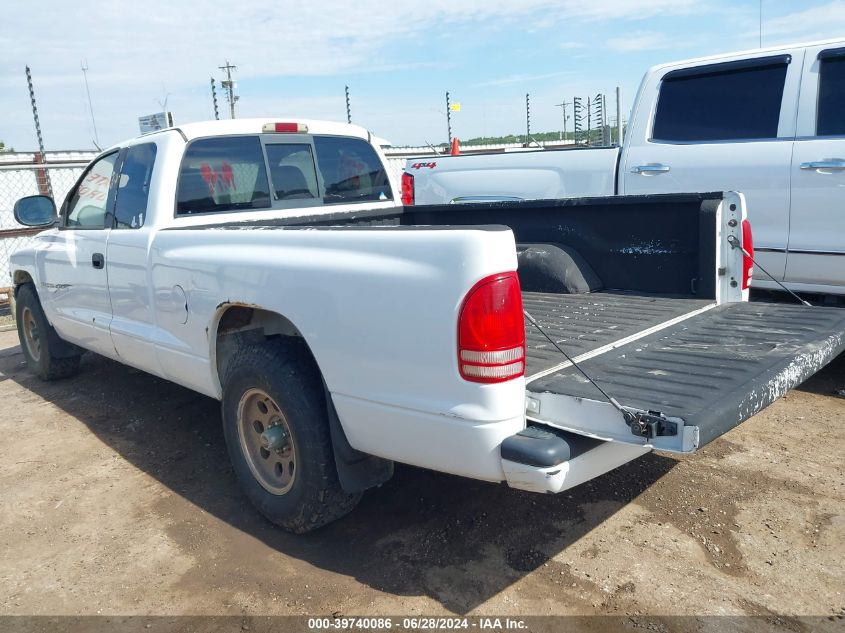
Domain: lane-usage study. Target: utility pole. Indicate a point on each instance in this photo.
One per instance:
(578, 116)
(618, 117)
(84, 65)
(214, 100)
(43, 175)
(34, 110)
(562, 107)
(348, 107)
(527, 119)
(229, 86)
(449, 118)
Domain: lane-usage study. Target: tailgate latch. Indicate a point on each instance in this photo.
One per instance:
(650, 424)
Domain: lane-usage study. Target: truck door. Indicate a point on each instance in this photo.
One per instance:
(133, 322)
(718, 127)
(71, 268)
(817, 235)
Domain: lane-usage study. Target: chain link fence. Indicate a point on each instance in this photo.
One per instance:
(20, 179)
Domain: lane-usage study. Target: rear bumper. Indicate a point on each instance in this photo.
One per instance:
(491, 451)
(542, 459)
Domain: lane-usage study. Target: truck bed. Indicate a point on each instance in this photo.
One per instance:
(582, 324)
(710, 366)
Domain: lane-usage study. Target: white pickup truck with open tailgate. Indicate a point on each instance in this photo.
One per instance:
(271, 266)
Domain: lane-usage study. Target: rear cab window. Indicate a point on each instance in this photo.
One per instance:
(351, 171)
(264, 171)
(293, 173)
(730, 101)
(223, 173)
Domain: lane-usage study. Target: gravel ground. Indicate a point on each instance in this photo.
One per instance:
(116, 497)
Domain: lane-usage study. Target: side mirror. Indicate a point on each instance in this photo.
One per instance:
(35, 211)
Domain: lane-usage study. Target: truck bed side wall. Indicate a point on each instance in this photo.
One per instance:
(658, 244)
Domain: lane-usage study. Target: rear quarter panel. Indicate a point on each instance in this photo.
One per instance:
(378, 306)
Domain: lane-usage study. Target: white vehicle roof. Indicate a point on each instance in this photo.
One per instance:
(200, 129)
(754, 52)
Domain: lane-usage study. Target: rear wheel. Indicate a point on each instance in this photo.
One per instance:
(47, 356)
(276, 427)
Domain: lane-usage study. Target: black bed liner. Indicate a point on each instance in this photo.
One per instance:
(582, 323)
(713, 370)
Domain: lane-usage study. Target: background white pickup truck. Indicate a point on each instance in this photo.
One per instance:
(269, 265)
(769, 123)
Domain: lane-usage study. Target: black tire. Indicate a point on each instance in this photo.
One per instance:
(47, 355)
(285, 371)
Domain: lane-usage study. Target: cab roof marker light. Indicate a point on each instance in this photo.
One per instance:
(284, 128)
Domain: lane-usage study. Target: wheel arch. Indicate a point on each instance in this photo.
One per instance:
(21, 277)
(236, 324)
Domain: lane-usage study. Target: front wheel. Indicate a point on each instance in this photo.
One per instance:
(47, 356)
(277, 433)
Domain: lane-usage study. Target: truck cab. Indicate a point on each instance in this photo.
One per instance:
(767, 122)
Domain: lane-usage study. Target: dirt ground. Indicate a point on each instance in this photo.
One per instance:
(116, 497)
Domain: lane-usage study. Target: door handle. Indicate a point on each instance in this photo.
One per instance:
(656, 168)
(97, 260)
(831, 163)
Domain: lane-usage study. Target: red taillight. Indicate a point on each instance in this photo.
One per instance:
(284, 128)
(407, 189)
(491, 331)
(747, 262)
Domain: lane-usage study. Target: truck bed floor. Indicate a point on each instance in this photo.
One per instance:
(583, 323)
(713, 370)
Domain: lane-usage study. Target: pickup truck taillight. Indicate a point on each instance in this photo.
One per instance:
(748, 247)
(407, 189)
(491, 331)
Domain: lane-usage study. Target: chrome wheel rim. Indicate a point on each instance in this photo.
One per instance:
(31, 334)
(266, 441)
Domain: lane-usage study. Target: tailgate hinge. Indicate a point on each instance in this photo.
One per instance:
(650, 424)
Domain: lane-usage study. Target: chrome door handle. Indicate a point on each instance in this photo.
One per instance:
(657, 168)
(832, 163)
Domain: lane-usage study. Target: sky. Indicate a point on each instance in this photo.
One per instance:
(294, 58)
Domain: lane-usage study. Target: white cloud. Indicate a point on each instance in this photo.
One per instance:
(640, 41)
(520, 79)
(825, 19)
(139, 51)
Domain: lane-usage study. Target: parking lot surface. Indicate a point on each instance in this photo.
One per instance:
(116, 497)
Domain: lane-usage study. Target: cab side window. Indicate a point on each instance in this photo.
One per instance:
(223, 173)
(87, 205)
(133, 186)
(831, 107)
(721, 102)
(351, 170)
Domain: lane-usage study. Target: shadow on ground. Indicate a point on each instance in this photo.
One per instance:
(455, 540)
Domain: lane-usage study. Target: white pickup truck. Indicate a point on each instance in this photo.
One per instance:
(270, 265)
(769, 123)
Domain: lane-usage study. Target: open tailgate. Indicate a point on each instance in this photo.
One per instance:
(699, 378)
